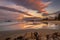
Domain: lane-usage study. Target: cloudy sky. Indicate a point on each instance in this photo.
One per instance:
(55, 6)
(20, 5)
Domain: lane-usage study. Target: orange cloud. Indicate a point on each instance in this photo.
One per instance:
(39, 5)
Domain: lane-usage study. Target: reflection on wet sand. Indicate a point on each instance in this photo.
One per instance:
(41, 25)
(28, 25)
(35, 25)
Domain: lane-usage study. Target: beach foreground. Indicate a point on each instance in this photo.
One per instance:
(28, 34)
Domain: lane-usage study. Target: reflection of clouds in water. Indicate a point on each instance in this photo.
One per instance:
(22, 26)
(42, 26)
(39, 26)
(11, 26)
(52, 26)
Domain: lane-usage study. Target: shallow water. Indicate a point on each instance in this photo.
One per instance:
(27, 25)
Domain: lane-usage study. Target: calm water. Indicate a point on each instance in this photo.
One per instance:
(26, 25)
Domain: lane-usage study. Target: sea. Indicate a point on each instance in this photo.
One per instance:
(4, 26)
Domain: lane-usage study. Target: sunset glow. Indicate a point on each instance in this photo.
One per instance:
(39, 5)
(12, 11)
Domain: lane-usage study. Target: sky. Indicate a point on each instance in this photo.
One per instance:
(54, 6)
(17, 5)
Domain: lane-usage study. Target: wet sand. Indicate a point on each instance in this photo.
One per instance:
(54, 22)
(14, 34)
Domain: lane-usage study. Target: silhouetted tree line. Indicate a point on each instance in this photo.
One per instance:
(59, 17)
(54, 36)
